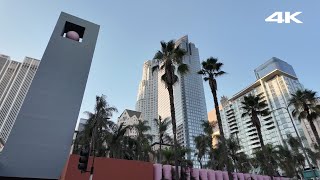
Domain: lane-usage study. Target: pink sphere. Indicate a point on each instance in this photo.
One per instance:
(73, 35)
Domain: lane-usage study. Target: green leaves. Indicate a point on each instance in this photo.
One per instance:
(211, 69)
(306, 106)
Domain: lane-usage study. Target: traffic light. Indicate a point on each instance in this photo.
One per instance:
(83, 160)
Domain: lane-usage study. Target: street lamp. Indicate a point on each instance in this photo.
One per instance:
(299, 138)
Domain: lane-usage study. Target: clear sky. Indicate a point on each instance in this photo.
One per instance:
(232, 30)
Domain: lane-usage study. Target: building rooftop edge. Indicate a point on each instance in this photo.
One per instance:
(257, 82)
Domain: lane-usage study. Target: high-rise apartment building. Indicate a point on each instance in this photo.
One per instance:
(147, 99)
(276, 81)
(15, 80)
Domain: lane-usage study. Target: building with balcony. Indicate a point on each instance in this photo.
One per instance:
(276, 81)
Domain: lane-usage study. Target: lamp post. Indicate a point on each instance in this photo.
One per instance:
(299, 138)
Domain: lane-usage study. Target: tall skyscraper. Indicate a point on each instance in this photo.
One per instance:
(190, 105)
(147, 99)
(39, 144)
(276, 81)
(15, 80)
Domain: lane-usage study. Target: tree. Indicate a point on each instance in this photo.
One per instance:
(254, 106)
(97, 125)
(201, 147)
(170, 58)
(306, 106)
(314, 154)
(162, 128)
(291, 162)
(143, 140)
(266, 160)
(241, 162)
(211, 69)
(118, 145)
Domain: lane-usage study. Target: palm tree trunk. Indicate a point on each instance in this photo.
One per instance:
(260, 136)
(314, 130)
(216, 106)
(200, 162)
(174, 129)
(160, 149)
(222, 138)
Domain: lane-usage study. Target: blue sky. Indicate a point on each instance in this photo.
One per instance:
(232, 30)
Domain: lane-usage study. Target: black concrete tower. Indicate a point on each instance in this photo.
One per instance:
(40, 141)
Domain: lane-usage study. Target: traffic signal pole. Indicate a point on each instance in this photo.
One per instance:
(92, 150)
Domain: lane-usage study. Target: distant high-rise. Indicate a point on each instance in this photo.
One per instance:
(15, 80)
(147, 99)
(276, 82)
(189, 99)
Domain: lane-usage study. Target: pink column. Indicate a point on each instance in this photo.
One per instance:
(167, 172)
(157, 169)
(174, 170)
(195, 173)
(188, 173)
(219, 175)
(203, 174)
(225, 175)
(235, 177)
(240, 176)
(266, 178)
(247, 176)
(254, 176)
(211, 175)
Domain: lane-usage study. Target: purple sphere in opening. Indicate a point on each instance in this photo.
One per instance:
(73, 35)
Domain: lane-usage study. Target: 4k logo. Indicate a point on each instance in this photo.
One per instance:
(284, 17)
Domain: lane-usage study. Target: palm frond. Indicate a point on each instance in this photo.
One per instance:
(158, 56)
(183, 68)
(154, 68)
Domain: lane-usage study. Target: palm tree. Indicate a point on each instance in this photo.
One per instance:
(253, 106)
(291, 161)
(201, 147)
(143, 139)
(98, 122)
(211, 69)
(233, 147)
(314, 154)
(266, 160)
(162, 128)
(118, 144)
(169, 57)
(168, 155)
(306, 106)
